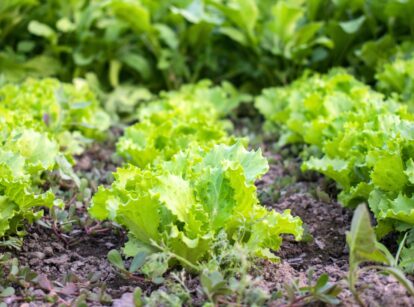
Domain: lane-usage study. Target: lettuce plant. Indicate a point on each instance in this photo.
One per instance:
(362, 141)
(42, 123)
(182, 119)
(182, 204)
(186, 184)
(397, 77)
(23, 156)
(69, 112)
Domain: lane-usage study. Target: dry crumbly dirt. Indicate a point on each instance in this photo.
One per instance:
(77, 263)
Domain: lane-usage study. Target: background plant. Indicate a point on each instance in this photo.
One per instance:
(249, 42)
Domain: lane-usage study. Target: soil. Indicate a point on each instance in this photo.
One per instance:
(75, 262)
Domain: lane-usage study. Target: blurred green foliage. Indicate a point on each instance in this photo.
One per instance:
(164, 44)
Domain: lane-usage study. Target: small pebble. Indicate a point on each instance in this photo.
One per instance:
(48, 251)
(38, 255)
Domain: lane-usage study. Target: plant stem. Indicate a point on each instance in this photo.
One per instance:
(184, 261)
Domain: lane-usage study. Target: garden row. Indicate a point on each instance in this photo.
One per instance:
(186, 193)
(185, 190)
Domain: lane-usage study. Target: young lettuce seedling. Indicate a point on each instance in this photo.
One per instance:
(364, 247)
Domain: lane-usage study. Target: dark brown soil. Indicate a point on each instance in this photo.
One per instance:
(77, 259)
(84, 262)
